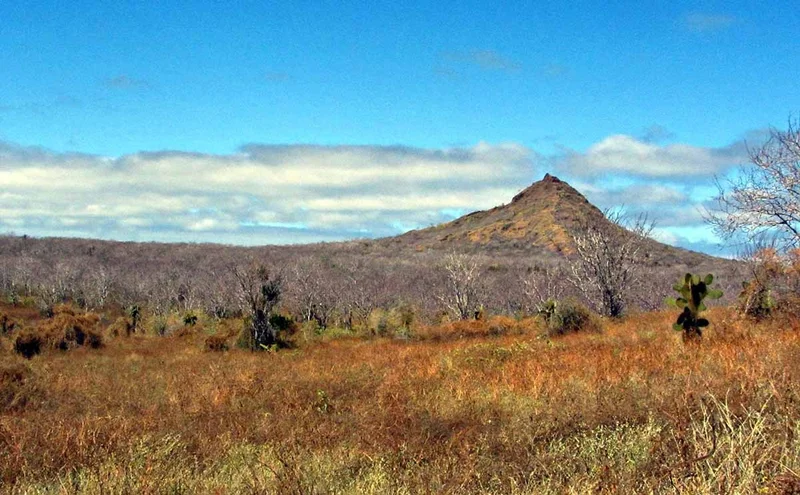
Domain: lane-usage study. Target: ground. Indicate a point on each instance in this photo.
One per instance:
(481, 407)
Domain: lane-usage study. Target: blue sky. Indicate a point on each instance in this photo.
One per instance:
(140, 120)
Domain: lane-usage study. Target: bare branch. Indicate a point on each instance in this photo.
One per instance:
(765, 197)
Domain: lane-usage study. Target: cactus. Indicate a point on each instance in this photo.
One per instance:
(693, 290)
(548, 310)
(190, 320)
(135, 313)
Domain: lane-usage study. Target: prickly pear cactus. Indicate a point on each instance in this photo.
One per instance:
(693, 290)
(135, 313)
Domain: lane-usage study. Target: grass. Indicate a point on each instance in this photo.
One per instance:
(462, 408)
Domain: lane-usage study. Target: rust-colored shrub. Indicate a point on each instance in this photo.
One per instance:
(184, 331)
(28, 344)
(584, 413)
(66, 330)
(17, 386)
(216, 343)
(786, 484)
(7, 325)
(121, 327)
(504, 325)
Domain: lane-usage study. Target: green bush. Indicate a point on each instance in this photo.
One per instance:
(283, 324)
(396, 321)
(160, 326)
(563, 317)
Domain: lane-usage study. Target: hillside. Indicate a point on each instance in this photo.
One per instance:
(540, 221)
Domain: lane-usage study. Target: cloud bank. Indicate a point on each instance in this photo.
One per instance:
(273, 194)
(673, 183)
(260, 194)
(622, 154)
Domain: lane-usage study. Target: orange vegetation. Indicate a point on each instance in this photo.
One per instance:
(477, 407)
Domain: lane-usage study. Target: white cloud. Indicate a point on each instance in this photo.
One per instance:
(665, 236)
(622, 154)
(328, 192)
(642, 195)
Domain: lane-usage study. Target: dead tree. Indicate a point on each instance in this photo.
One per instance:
(764, 199)
(607, 265)
(543, 284)
(460, 293)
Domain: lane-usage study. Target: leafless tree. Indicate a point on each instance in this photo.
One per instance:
(259, 292)
(218, 299)
(58, 285)
(7, 282)
(25, 274)
(97, 290)
(542, 284)
(461, 290)
(187, 294)
(314, 290)
(162, 291)
(362, 291)
(764, 199)
(608, 259)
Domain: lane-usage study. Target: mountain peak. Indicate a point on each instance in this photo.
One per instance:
(544, 216)
(542, 219)
(542, 188)
(551, 178)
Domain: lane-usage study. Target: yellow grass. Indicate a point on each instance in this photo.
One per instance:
(457, 410)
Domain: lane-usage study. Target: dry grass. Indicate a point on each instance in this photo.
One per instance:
(484, 407)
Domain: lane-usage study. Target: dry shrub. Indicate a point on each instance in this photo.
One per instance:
(461, 329)
(396, 321)
(28, 344)
(216, 343)
(18, 386)
(488, 327)
(120, 327)
(7, 325)
(599, 413)
(504, 325)
(184, 331)
(65, 330)
(789, 309)
(571, 317)
(786, 484)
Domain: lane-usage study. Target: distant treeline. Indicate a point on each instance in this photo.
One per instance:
(332, 284)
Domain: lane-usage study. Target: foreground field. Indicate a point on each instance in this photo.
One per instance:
(628, 410)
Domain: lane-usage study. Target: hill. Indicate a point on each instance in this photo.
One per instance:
(538, 225)
(540, 221)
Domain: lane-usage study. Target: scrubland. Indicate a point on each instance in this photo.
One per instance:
(491, 406)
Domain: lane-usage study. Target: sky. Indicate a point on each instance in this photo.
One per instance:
(290, 122)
